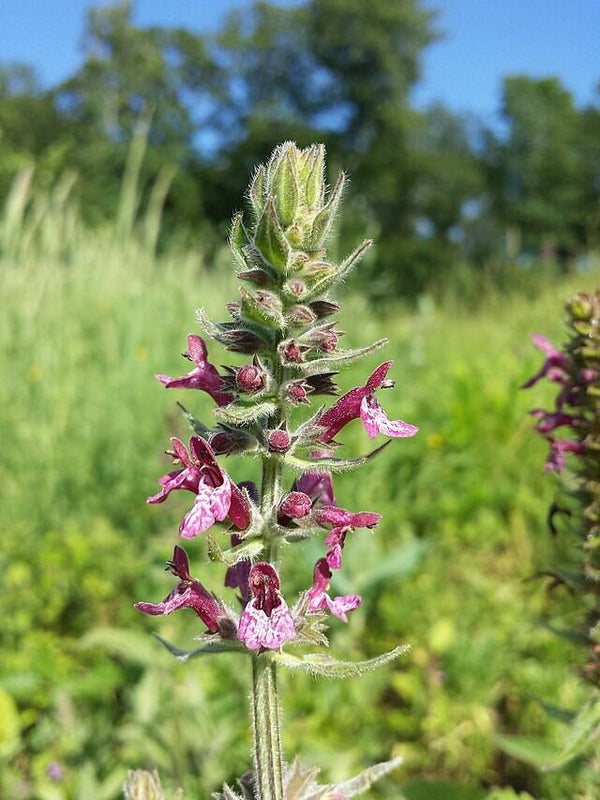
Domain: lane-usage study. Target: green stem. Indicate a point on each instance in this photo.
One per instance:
(266, 725)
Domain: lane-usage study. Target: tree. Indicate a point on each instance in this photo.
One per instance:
(536, 167)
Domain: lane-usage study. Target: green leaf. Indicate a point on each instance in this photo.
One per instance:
(326, 666)
(236, 414)
(216, 646)
(321, 283)
(312, 176)
(333, 464)
(337, 359)
(196, 425)
(366, 778)
(536, 752)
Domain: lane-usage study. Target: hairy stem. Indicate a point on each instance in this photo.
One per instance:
(266, 725)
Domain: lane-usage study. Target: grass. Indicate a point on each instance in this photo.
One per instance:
(449, 569)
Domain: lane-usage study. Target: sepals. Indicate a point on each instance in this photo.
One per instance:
(323, 221)
(282, 178)
(269, 238)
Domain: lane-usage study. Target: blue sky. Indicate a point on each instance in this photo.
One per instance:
(484, 40)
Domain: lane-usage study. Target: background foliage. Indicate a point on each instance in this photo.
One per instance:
(115, 201)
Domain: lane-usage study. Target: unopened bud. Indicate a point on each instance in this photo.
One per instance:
(292, 352)
(295, 505)
(295, 288)
(301, 315)
(279, 440)
(296, 393)
(250, 378)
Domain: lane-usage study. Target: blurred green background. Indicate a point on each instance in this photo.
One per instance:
(113, 231)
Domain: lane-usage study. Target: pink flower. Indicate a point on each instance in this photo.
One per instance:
(237, 576)
(319, 600)
(204, 376)
(266, 621)
(557, 461)
(189, 593)
(342, 522)
(317, 485)
(549, 420)
(555, 367)
(216, 496)
(360, 402)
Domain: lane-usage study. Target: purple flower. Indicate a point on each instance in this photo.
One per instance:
(317, 485)
(55, 771)
(237, 576)
(216, 496)
(266, 621)
(550, 420)
(204, 376)
(342, 523)
(189, 593)
(360, 402)
(319, 600)
(557, 461)
(555, 367)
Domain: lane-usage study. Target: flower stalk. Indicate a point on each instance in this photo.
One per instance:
(266, 728)
(281, 324)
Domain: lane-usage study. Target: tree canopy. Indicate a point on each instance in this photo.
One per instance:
(338, 71)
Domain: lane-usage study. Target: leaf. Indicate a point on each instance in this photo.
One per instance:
(326, 666)
(236, 414)
(334, 464)
(195, 424)
(214, 646)
(536, 752)
(249, 550)
(339, 358)
(366, 778)
(329, 279)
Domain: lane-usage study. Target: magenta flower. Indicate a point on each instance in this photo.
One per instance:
(319, 600)
(189, 593)
(237, 576)
(216, 496)
(317, 485)
(555, 367)
(266, 621)
(557, 461)
(360, 402)
(342, 523)
(550, 420)
(204, 376)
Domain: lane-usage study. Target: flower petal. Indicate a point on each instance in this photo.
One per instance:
(257, 630)
(211, 505)
(375, 421)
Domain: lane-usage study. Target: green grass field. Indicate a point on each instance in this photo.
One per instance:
(449, 570)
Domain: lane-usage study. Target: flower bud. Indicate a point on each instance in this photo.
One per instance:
(279, 440)
(295, 505)
(295, 288)
(250, 378)
(301, 315)
(297, 392)
(292, 352)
